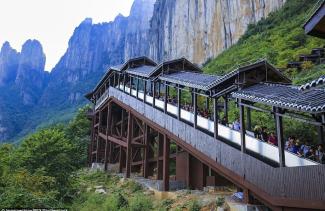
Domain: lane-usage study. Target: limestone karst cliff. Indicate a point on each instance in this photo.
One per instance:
(9, 59)
(202, 29)
(160, 29)
(22, 80)
(31, 77)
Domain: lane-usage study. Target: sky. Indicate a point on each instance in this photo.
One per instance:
(52, 22)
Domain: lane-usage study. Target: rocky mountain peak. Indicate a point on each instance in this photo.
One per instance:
(32, 57)
(8, 64)
(31, 77)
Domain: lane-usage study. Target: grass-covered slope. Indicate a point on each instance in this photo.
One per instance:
(279, 38)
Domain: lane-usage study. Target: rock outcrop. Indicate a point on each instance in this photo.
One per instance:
(22, 81)
(200, 30)
(160, 29)
(31, 77)
(9, 59)
(138, 29)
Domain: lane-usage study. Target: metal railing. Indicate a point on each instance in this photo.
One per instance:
(102, 99)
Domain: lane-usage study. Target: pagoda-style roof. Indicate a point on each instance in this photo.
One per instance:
(315, 25)
(190, 79)
(317, 82)
(284, 96)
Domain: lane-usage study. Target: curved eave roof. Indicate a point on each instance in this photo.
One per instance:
(284, 96)
(314, 83)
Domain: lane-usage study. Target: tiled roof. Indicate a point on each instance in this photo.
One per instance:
(190, 79)
(284, 96)
(143, 71)
(314, 83)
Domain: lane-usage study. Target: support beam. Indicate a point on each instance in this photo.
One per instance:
(160, 152)
(144, 91)
(131, 79)
(106, 154)
(320, 134)
(179, 99)
(128, 148)
(110, 159)
(321, 138)
(153, 93)
(249, 120)
(279, 135)
(121, 160)
(215, 117)
(166, 163)
(226, 106)
(207, 103)
(242, 128)
(99, 126)
(195, 108)
(137, 88)
(166, 98)
(146, 151)
(122, 124)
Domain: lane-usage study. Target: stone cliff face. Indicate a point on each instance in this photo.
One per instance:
(31, 77)
(94, 47)
(160, 29)
(202, 29)
(137, 32)
(22, 80)
(91, 49)
(9, 59)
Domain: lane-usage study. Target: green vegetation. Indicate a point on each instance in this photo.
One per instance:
(40, 171)
(280, 39)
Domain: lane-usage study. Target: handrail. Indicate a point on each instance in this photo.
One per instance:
(102, 99)
(255, 145)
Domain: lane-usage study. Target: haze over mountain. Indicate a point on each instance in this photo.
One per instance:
(160, 29)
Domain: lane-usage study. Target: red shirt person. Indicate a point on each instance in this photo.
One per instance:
(273, 139)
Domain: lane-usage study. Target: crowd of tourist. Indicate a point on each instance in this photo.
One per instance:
(293, 145)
